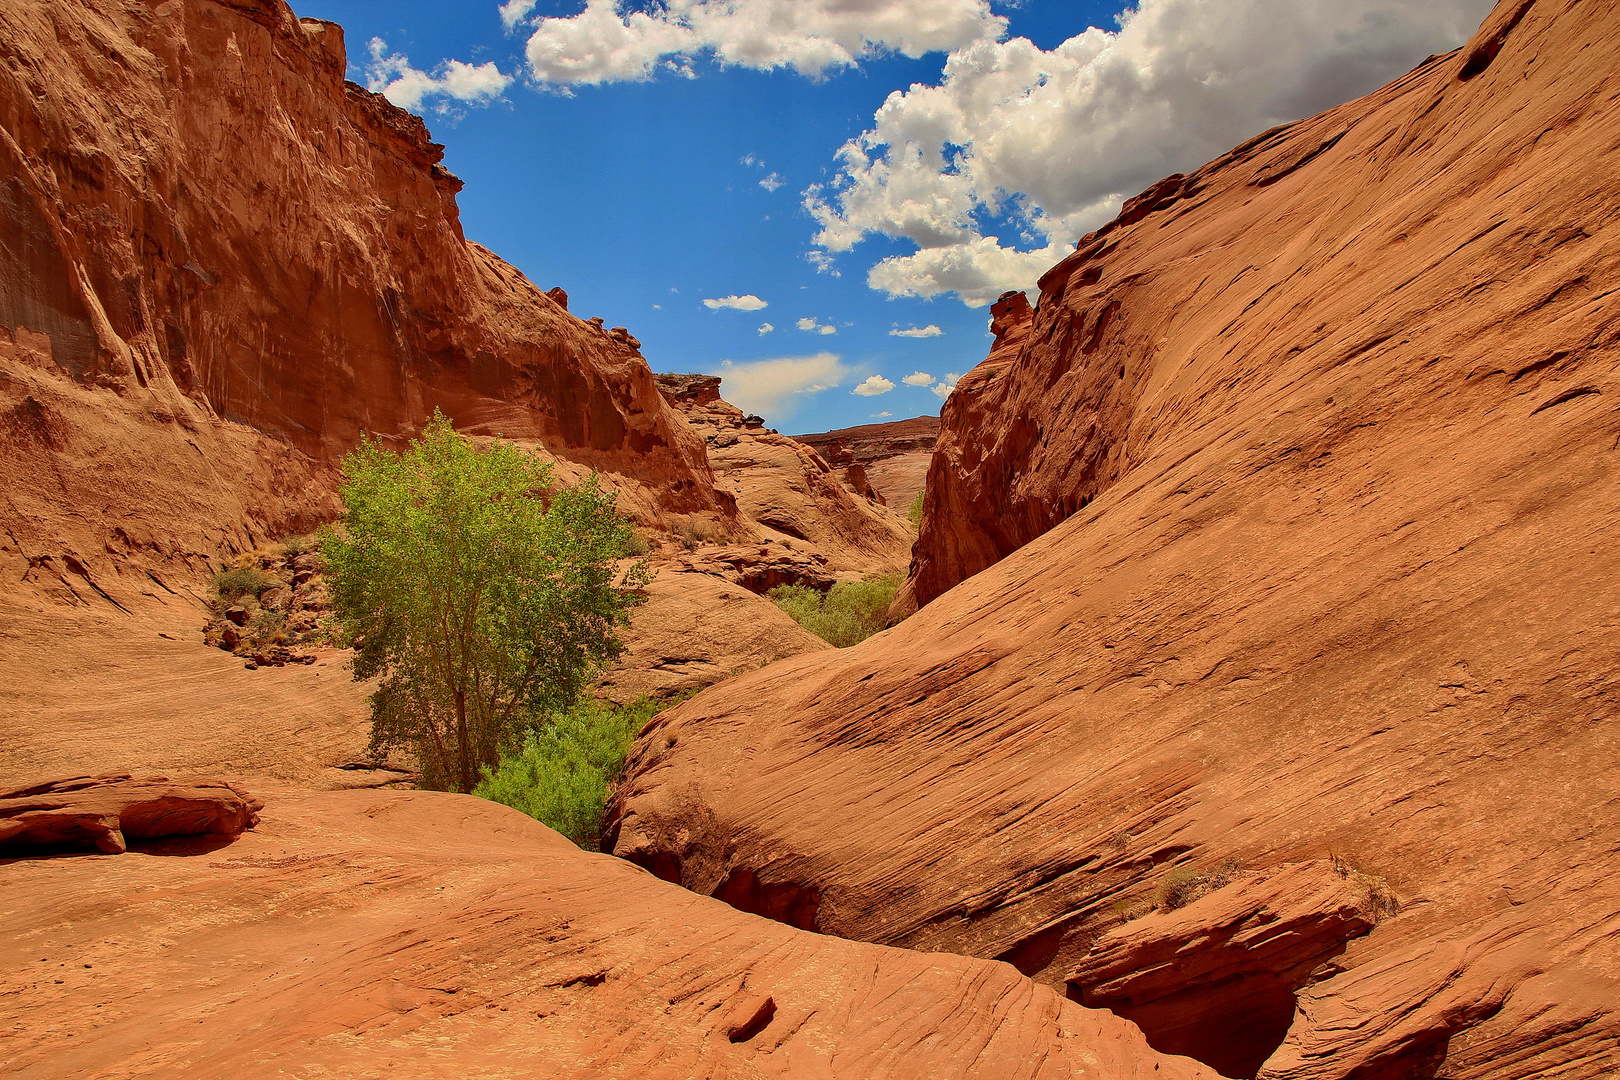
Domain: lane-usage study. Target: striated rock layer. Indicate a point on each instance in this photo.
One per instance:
(220, 263)
(892, 456)
(790, 492)
(428, 935)
(1312, 457)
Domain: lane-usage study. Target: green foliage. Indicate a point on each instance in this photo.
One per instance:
(240, 581)
(476, 590)
(566, 766)
(848, 613)
(915, 513)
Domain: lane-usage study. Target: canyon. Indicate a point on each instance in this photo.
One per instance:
(1247, 710)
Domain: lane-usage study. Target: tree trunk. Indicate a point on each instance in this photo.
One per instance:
(462, 744)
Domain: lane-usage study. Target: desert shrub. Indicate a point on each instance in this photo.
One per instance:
(294, 546)
(915, 513)
(241, 581)
(636, 544)
(695, 531)
(1184, 884)
(1381, 899)
(848, 613)
(563, 772)
(266, 627)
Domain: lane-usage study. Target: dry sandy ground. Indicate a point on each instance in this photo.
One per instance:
(92, 690)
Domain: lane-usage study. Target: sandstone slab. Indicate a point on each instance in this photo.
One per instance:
(416, 934)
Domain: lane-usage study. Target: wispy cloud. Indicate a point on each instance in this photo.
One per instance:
(771, 182)
(777, 387)
(746, 302)
(917, 331)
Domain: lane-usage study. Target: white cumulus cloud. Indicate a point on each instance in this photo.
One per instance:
(943, 388)
(391, 75)
(872, 386)
(775, 388)
(765, 328)
(746, 302)
(880, 415)
(1058, 139)
(917, 331)
(515, 11)
(811, 326)
(918, 378)
(613, 40)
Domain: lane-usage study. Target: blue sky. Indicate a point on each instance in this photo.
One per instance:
(649, 158)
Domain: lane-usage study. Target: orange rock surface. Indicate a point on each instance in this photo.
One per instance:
(1312, 458)
(399, 934)
(220, 263)
(790, 493)
(893, 456)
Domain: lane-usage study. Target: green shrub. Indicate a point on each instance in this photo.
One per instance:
(915, 513)
(848, 613)
(566, 767)
(240, 581)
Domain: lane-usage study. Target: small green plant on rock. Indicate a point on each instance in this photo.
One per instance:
(915, 513)
(240, 582)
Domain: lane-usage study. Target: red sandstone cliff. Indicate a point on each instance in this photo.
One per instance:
(1302, 487)
(892, 457)
(220, 263)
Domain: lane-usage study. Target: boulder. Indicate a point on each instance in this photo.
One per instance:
(102, 813)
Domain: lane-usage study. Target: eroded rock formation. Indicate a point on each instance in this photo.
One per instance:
(1311, 456)
(220, 264)
(793, 494)
(103, 813)
(891, 457)
(426, 935)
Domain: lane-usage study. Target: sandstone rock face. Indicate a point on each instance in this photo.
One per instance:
(960, 535)
(696, 629)
(220, 263)
(102, 813)
(892, 456)
(1340, 409)
(1217, 977)
(790, 492)
(426, 935)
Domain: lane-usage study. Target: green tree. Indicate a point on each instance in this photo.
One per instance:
(480, 591)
